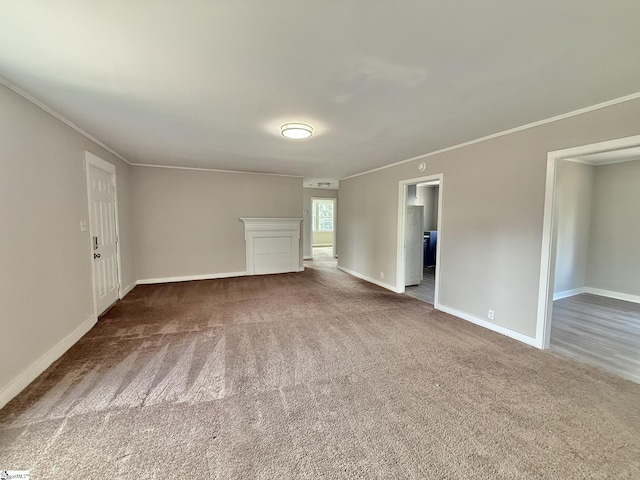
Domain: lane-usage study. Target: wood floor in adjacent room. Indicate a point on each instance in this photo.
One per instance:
(426, 290)
(599, 330)
(313, 375)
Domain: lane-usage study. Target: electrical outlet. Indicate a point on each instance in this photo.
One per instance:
(381, 275)
(83, 225)
(491, 314)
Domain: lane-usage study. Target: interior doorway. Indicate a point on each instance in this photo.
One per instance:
(419, 239)
(103, 232)
(323, 225)
(589, 306)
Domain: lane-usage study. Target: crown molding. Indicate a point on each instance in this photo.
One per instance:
(574, 113)
(66, 121)
(174, 167)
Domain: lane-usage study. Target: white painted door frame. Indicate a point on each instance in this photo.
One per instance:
(402, 214)
(548, 255)
(92, 160)
(335, 224)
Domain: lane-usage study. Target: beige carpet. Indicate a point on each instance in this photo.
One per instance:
(313, 375)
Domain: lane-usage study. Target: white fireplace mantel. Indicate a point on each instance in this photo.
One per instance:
(273, 245)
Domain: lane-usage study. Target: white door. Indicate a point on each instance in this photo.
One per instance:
(413, 244)
(102, 228)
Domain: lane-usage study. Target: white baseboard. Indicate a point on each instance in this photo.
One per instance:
(611, 294)
(31, 373)
(307, 258)
(597, 291)
(126, 290)
(491, 326)
(568, 293)
(188, 278)
(456, 313)
(369, 279)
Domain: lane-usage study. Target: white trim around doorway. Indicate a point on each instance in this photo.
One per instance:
(402, 213)
(547, 258)
(335, 226)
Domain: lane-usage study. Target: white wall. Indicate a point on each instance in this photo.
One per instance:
(188, 221)
(415, 195)
(323, 239)
(308, 194)
(491, 227)
(45, 273)
(428, 196)
(574, 192)
(597, 229)
(614, 246)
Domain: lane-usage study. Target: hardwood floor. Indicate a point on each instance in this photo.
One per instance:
(600, 331)
(425, 291)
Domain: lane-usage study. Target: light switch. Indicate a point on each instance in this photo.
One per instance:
(83, 225)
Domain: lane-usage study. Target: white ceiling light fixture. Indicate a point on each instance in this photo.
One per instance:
(296, 131)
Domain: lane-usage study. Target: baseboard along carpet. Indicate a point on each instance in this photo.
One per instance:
(313, 375)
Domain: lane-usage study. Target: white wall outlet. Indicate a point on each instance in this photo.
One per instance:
(491, 314)
(381, 275)
(83, 225)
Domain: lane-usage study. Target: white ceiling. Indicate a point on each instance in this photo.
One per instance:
(207, 84)
(610, 156)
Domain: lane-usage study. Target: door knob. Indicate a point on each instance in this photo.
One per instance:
(96, 255)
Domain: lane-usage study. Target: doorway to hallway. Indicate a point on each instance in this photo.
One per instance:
(322, 258)
(323, 224)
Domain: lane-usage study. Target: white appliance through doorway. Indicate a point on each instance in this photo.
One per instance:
(436, 179)
(103, 232)
(413, 245)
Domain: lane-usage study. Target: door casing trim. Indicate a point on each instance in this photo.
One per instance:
(94, 161)
(402, 212)
(547, 257)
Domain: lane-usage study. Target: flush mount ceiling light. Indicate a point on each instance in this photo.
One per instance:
(296, 131)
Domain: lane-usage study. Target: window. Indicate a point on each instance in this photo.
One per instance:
(323, 215)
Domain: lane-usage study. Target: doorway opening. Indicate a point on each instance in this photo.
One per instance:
(323, 226)
(103, 233)
(589, 304)
(419, 238)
